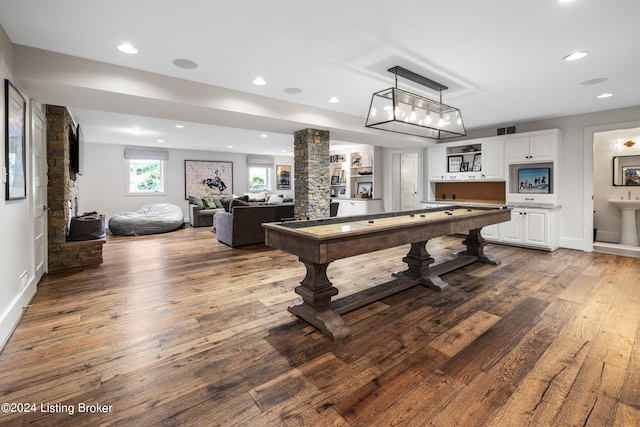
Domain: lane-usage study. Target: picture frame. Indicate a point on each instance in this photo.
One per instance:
(454, 163)
(283, 177)
(477, 162)
(15, 107)
(464, 166)
(364, 189)
(342, 192)
(335, 180)
(534, 180)
(207, 178)
(631, 175)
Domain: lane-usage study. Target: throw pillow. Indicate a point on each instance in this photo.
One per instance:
(226, 201)
(275, 199)
(217, 199)
(287, 200)
(208, 202)
(257, 197)
(195, 200)
(238, 202)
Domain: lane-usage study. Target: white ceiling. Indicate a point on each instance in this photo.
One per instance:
(502, 60)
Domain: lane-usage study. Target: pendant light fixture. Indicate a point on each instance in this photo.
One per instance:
(396, 110)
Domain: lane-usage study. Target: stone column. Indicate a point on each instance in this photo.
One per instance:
(62, 194)
(311, 169)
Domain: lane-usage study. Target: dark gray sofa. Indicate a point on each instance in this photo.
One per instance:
(243, 225)
(201, 217)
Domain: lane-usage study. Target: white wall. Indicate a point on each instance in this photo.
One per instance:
(16, 248)
(102, 187)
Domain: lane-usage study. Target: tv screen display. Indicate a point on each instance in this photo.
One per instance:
(534, 180)
(76, 151)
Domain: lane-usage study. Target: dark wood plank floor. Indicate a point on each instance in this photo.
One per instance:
(177, 329)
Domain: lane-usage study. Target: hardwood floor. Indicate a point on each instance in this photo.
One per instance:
(177, 329)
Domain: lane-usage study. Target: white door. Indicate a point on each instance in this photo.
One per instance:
(39, 183)
(408, 181)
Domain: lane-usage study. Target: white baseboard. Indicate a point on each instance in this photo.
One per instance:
(577, 244)
(12, 315)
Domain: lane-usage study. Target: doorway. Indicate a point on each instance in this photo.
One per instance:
(405, 181)
(607, 142)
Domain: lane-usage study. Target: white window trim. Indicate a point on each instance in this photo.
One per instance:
(127, 176)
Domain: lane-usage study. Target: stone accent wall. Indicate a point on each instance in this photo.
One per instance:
(311, 169)
(62, 196)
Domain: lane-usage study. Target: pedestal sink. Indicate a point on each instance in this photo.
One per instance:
(629, 229)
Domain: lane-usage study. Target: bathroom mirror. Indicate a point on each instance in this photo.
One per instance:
(626, 170)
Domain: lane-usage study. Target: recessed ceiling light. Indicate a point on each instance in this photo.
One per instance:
(229, 146)
(605, 95)
(334, 100)
(594, 81)
(179, 126)
(264, 135)
(293, 90)
(161, 140)
(127, 48)
(187, 64)
(259, 81)
(576, 55)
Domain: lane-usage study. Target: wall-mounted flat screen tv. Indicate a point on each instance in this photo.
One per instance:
(534, 180)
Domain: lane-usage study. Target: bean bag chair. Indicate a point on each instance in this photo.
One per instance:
(149, 219)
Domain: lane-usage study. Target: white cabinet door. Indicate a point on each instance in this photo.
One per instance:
(542, 147)
(527, 226)
(437, 163)
(493, 160)
(535, 148)
(517, 149)
(535, 228)
(512, 230)
(491, 232)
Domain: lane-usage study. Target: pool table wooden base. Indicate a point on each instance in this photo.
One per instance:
(316, 290)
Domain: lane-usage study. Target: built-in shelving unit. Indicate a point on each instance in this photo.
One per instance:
(338, 173)
(356, 180)
(521, 167)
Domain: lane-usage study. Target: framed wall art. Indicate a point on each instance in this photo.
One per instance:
(207, 178)
(15, 162)
(477, 162)
(454, 163)
(283, 177)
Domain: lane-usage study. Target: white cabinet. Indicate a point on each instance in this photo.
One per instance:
(437, 163)
(533, 148)
(493, 160)
(531, 227)
(359, 207)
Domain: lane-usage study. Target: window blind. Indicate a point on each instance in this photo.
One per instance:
(260, 160)
(146, 154)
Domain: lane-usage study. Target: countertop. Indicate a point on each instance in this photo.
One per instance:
(485, 203)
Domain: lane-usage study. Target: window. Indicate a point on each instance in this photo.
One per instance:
(145, 170)
(259, 178)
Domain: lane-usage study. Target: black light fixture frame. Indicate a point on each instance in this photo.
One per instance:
(426, 131)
